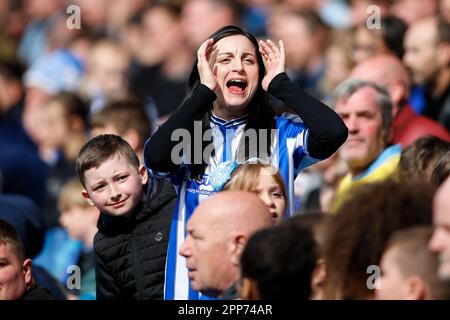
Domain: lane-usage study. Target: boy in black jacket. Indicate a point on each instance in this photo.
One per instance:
(134, 224)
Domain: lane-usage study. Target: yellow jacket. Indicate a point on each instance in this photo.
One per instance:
(384, 167)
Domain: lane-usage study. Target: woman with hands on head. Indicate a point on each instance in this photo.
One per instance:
(229, 101)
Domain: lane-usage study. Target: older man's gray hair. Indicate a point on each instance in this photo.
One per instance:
(382, 99)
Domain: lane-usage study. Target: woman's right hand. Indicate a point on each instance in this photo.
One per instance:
(204, 66)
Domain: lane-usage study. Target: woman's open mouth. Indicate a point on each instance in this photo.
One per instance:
(237, 86)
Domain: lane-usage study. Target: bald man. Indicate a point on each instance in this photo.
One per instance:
(217, 233)
(440, 241)
(413, 10)
(427, 56)
(407, 126)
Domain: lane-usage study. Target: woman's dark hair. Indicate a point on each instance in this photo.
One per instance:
(262, 115)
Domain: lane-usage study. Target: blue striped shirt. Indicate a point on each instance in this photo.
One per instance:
(288, 153)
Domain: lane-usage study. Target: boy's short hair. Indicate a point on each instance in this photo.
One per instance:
(412, 245)
(9, 235)
(124, 115)
(441, 170)
(418, 159)
(281, 261)
(314, 222)
(70, 196)
(101, 148)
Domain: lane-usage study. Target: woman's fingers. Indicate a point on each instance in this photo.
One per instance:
(204, 49)
(274, 60)
(210, 47)
(205, 63)
(263, 53)
(265, 49)
(282, 50)
(201, 51)
(273, 48)
(269, 50)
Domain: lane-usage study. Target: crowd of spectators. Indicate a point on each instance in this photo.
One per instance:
(122, 68)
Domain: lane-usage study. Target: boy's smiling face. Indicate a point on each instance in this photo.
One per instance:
(115, 187)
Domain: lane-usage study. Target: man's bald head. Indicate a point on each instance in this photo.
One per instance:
(381, 69)
(386, 70)
(235, 209)
(217, 233)
(426, 27)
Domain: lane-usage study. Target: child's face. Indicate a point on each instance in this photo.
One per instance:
(109, 71)
(77, 220)
(271, 194)
(392, 284)
(55, 125)
(115, 187)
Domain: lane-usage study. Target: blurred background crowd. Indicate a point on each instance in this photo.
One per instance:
(125, 69)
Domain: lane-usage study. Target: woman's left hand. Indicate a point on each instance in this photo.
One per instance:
(274, 58)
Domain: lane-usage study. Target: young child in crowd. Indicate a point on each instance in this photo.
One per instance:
(409, 270)
(80, 221)
(64, 121)
(265, 181)
(135, 218)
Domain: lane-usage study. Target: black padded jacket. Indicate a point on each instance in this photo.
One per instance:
(130, 253)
